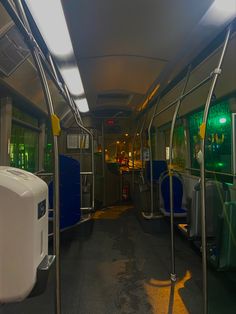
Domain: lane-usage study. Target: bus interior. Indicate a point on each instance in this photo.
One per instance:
(117, 157)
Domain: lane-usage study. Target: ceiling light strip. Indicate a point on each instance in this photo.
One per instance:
(51, 22)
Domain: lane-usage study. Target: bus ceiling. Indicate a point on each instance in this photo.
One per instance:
(125, 50)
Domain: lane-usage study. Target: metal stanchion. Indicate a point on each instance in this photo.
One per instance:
(141, 142)
(203, 126)
(133, 145)
(103, 166)
(156, 114)
(56, 131)
(151, 216)
(173, 272)
(151, 158)
(76, 115)
(141, 147)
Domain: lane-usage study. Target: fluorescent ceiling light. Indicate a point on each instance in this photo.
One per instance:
(50, 19)
(82, 104)
(225, 6)
(71, 77)
(220, 12)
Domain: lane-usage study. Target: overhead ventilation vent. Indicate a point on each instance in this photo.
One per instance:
(114, 99)
(13, 50)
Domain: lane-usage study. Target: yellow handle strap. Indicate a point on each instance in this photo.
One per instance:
(202, 130)
(56, 128)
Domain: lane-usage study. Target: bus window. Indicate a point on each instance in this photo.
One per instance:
(218, 139)
(24, 148)
(24, 141)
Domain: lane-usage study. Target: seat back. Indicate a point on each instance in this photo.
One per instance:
(177, 192)
(159, 166)
(69, 191)
(194, 212)
(216, 194)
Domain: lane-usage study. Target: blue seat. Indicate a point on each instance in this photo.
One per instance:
(179, 211)
(70, 212)
(159, 166)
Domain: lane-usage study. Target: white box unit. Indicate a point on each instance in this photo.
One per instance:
(23, 232)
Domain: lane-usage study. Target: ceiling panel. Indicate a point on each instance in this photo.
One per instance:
(120, 73)
(150, 28)
(125, 46)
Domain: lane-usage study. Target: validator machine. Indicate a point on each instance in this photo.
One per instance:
(24, 259)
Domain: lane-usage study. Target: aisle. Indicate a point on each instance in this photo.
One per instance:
(121, 270)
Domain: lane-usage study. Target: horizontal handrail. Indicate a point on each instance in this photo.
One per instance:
(26, 124)
(213, 172)
(193, 89)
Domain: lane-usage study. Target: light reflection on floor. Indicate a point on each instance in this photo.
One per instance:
(113, 212)
(164, 296)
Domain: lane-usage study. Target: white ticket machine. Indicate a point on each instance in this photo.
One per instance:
(23, 232)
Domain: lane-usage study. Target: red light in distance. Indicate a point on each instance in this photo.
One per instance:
(110, 122)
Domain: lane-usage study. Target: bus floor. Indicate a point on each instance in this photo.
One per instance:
(119, 269)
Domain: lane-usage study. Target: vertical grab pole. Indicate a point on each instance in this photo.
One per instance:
(141, 143)
(135, 134)
(80, 124)
(215, 76)
(103, 166)
(151, 156)
(93, 171)
(56, 132)
(173, 272)
(76, 113)
(64, 87)
(54, 69)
